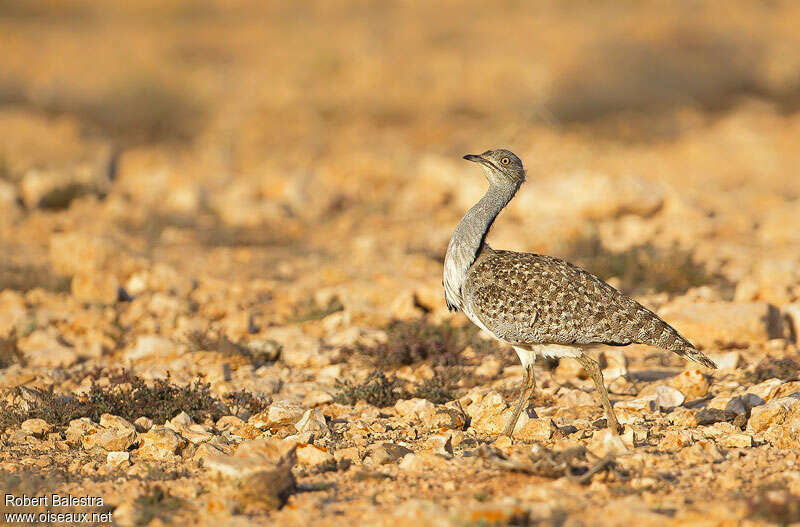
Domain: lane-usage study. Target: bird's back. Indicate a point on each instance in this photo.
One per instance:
(525, 298)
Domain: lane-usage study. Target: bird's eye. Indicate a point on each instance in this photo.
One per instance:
(505, 161)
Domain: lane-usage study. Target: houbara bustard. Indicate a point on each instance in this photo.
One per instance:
(540, 304)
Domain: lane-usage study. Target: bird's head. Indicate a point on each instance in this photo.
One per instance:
(502, 167)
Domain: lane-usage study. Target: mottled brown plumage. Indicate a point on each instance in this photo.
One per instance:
(526, 298)
(541, 304)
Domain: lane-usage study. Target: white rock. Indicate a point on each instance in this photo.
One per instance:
(37, 427)
(149, 346)
(116, 459)
(773, 413)
(313, 422)
(411, 409)
(727, 361)
(605, 442)
(668, 397)
(314, 456)
(160, 443)
(763, 389)
(279, 413)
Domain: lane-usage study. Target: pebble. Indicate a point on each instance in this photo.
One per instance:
(693, 384)
(538, 430)
(668, 397)
(279, 413)
(384, 453)
(36, 427)
(117, 459)
(773, 413)
(257, 477)
(160, 443)
(314, 456)
(313, 422)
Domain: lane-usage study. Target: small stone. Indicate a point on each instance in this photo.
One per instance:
(351, 454)
(441, 444)
(317, 398)
(312, 422)
(79, 428)
(411, 409)
(683, 417)
(43, 349)
(490, 416)
(539, 430)
(736, 440)
(693, 384)
(503, 443)
(490, 367)
(110, 439)
(674, 440)
(95, 287)
(160, 443)
(605, 442)
(115, 421)
(267, 350)
(668, 397)
(786, 434)
(634, 410)
(237, 427)
(279, 413)
(422, 462)
(36, 427)
(314, 456)
(702, 452)
(258, 476)
(450, 418)
(786, 389)
(150, 346)
(143, 424)
(773, 413)
(726, 361)
(204, 450)
(116, 459)
(765, 388)
(739, 405)
(615, 364)
(569, 370)
(708, 416)
(386, 453)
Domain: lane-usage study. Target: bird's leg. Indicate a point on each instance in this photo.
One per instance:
(528, 384)
(593, 369)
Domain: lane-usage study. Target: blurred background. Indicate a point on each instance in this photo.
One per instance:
(282, 121)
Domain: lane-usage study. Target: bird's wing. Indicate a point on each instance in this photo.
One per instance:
(535, 299)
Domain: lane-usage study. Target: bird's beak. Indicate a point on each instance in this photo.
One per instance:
(474, 158)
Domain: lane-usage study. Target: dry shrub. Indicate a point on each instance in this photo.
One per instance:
(129, 397)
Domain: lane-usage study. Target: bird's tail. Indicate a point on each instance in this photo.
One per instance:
(692, 353)
(669, 338)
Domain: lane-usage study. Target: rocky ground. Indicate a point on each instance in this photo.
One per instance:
(222, 232)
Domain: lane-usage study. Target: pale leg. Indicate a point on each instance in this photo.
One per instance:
(593, 369)
(528, 384)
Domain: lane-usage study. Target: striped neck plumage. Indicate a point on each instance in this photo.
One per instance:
(468, 238)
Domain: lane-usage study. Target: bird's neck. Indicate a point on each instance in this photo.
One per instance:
(468, 238)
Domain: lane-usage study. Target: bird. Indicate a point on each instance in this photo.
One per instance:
(538, 304)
